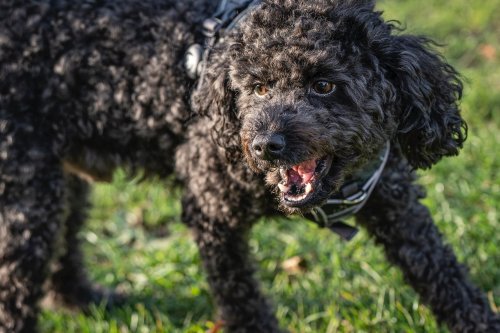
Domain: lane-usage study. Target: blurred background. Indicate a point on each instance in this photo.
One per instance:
(136, 243)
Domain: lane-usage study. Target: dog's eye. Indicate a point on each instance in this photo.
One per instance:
(323, 87)
(260, 90)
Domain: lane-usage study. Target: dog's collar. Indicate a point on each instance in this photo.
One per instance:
(351, 198)
(226, 17)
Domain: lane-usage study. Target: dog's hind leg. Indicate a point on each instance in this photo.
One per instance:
(31, 207)
(398, 221)
(69, 285)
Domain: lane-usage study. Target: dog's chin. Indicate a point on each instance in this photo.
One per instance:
(305, 185)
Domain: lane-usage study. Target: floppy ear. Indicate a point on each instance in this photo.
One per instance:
(214, 99)
(428, 90)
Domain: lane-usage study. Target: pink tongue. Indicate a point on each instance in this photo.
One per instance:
(294, 177)
(303, 172)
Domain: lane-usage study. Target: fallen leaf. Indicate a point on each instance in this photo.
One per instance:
(488, 51)
(294, 265)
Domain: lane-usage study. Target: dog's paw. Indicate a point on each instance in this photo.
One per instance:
(82, 298)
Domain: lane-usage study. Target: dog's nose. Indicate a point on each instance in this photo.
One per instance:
(269, 147)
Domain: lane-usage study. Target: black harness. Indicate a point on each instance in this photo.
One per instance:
(357, 189)
(227, 16)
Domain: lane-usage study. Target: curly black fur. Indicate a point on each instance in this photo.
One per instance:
(86, 86)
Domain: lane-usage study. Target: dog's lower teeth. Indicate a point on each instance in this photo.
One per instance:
(284, 188)
(295, 193)
(308, 188)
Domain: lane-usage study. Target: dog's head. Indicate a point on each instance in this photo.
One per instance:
(310, 91)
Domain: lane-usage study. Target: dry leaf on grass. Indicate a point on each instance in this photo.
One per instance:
(488, 51)
(294, 265)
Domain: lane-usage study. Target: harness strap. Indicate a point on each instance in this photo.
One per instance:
(226, 17)
(350, 199)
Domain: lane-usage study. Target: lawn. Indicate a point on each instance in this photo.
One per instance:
(135, 242)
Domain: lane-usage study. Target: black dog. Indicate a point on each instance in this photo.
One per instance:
(294, 100)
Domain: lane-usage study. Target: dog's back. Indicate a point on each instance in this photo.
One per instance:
(104, 79)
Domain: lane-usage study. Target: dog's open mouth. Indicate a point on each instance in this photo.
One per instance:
(300, 182)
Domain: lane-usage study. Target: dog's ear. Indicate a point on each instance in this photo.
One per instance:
(428, 91)
(214, 99)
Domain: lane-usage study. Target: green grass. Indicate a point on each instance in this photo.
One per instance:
(136, 243)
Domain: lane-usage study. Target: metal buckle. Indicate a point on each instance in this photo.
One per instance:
(226, 17)
(211, 26)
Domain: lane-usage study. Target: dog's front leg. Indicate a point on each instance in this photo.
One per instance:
(31, 207)
(398, 221)
(225, 255)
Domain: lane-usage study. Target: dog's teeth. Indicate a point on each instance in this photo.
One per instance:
(301, 196)
(308, 188)
(284, 188)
